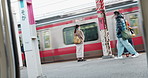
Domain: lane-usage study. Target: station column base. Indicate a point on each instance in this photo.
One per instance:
(107, 57)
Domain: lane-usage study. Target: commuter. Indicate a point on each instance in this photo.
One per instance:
(121, 42)
(23, 52)
(79, 45)
(130, 39)
(22, 48)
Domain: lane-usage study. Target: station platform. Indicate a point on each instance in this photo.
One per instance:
(127, 67)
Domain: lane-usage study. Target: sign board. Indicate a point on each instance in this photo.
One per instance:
(25, 27)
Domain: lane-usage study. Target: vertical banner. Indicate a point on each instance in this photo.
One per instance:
(101, 23)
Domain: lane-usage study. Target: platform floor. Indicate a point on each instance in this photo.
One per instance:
(96, 68)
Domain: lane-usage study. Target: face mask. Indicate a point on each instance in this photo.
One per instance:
(78, 28)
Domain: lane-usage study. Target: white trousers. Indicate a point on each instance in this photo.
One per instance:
(80, 50)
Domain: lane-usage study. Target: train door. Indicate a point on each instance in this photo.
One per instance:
(46, 52)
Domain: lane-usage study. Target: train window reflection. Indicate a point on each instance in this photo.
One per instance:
(68, 35)
(46, 38)
(90, 31)
(134, 23)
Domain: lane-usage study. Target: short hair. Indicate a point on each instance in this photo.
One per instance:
(116, 12)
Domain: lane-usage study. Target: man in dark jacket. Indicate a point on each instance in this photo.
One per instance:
(120, 27)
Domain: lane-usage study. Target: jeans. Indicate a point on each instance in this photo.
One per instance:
(131, 42)
(124, 43)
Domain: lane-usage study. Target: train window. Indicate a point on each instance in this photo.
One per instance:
(68, 35)
(46, 39)
(90, 31)
(134, 23)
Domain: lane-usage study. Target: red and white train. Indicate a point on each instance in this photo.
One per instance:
(55, 34)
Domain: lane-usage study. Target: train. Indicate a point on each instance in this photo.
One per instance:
(55, 34)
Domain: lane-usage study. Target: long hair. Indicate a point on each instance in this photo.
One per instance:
(76, 27)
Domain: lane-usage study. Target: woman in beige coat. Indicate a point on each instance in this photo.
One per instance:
(80, 46)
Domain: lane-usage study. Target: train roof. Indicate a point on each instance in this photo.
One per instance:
(86, 11)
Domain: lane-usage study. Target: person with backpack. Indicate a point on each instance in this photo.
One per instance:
(122, 42)
(130, 39)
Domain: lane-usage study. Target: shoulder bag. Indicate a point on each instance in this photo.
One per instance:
(126, 34)
(77, 40)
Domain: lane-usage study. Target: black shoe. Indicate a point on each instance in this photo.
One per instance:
(78, 60)
(83, 60)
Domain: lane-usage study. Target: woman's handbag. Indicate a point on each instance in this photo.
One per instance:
(77, 40)
(126, 34)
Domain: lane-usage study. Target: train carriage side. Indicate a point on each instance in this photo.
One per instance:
(61, 40)
(56, 38)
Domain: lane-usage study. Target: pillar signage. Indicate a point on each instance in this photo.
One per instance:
(25, 27)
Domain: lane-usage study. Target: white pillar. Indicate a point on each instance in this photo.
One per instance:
(30, 42)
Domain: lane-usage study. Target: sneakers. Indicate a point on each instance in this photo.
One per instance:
(136, 55)
(118, 57)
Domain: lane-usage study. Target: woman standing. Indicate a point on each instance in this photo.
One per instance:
(80, 46)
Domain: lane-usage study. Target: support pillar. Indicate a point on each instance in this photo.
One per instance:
(30, 42)
(143, 19)
(107, 52)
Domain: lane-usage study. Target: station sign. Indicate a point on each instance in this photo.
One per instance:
(25, 26)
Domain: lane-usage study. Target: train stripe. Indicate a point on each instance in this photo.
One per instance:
(138, 40)
(90, 17)
(92, 47)
(70, 50)
(87, 47)
(53, 25)
(20, 32)
(23, 56)
(123, 10)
